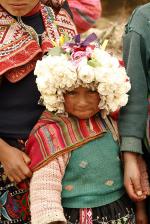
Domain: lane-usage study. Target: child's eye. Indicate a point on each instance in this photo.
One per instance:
(71, 93)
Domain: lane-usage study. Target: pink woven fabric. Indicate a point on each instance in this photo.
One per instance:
(45, 192)
(86, 216)
(85, 13)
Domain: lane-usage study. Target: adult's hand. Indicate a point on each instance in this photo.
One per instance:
(15, 162)
(132, 177)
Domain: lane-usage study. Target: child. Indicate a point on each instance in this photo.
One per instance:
(74, 147)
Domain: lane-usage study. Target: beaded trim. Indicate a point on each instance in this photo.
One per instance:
(29, 29)
(129, 218)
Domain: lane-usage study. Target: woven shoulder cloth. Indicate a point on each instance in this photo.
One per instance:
(19, 50)
(55, 135)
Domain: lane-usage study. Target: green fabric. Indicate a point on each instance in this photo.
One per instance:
(136, 55)
(131, 144)
(94, 175)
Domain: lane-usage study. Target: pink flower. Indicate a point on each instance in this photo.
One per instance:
(80, 52)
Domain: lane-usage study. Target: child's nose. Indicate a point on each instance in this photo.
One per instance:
(83, 101)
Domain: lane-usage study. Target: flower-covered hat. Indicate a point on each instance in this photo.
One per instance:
(75, 63)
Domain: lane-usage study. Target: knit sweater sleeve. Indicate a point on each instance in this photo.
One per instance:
(45, 192)
(132, 119)
(45, 185)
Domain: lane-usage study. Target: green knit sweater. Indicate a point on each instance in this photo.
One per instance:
(94, 175)
(136, 54)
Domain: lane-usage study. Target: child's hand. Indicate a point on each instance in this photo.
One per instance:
(15, 163)
(141, 216)
(132, 177)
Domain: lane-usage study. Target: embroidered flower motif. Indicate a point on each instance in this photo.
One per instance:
(3, 200)
(109, 183)
(71, 64)
(69, 187)
(83, 164)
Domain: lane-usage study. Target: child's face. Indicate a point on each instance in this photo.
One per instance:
(18, 7)
(82, 102)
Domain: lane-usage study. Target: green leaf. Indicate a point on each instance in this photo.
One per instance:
(93, 62)
(56, 51)
(66, 37)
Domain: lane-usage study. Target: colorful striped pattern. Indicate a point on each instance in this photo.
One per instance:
(53, 136)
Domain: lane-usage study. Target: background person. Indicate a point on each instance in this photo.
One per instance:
(133, 118)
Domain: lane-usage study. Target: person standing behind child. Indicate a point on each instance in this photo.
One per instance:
(134, 119)
(74, 148)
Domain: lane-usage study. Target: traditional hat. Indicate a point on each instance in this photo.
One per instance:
(81, 63)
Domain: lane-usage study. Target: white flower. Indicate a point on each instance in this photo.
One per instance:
(51, 102)
(64, 73)
(85, 72)
(42, 83)
(113, 104)
(123, 100)
(102, 74)
(101, 56)
(104, 89)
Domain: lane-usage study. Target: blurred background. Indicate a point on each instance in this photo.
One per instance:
(111, 24)
(110, 6)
